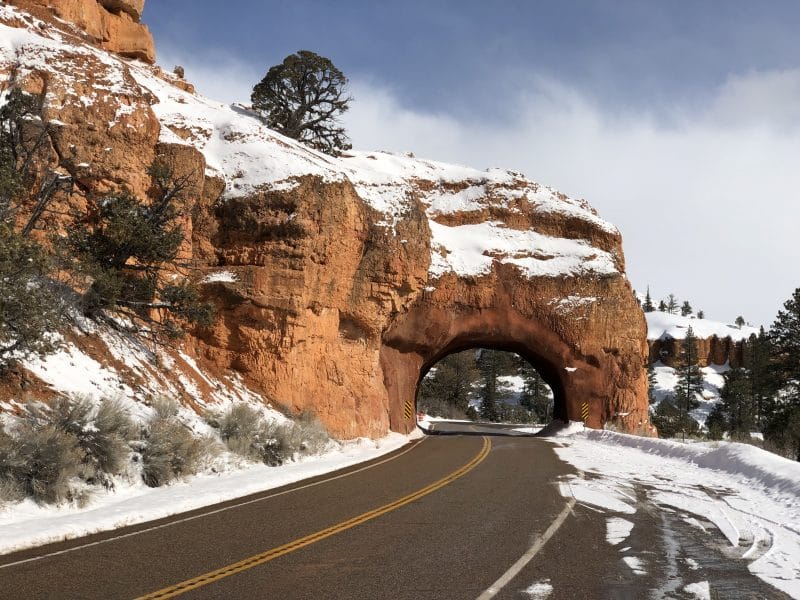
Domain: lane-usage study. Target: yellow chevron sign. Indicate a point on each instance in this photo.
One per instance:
(408, 409)
(585, 411)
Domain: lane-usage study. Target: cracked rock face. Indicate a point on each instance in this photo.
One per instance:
(340, 281)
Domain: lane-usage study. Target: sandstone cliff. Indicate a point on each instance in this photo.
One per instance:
(338, 282)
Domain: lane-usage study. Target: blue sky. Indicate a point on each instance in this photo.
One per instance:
(678, 121)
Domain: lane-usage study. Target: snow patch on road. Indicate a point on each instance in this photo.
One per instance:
(700, 590)
(596, 492)
(635, 563)
(617, 530)
(539, 590)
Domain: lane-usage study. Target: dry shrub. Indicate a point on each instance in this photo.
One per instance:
(104, 435)
(164, 407)
(41, 462)
(171, 451)
(247, 433)
(53, 452)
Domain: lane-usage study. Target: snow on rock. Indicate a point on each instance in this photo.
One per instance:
(471, 250)
(250, 157)
(751, 496)
(662, 325)
(220, 277)
(73, 372)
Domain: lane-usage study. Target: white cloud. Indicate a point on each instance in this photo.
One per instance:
(219, 76)
(707, 200)
(707, 203)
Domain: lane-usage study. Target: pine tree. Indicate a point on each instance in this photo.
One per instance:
(127, 249)
(740, 321)
(662, 307)
(672, 304)
(701, 314)
(686, 309)
(648, 302)
(760, 376)
(785, 341)
(537, 395)
(302, 98)
(651, 382)
(488, 365)
(30, 306)
(717, 422)
(737, 404)
(783, 428)
(445, 391)
(690, 377)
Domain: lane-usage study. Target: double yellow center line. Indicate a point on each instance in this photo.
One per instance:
(260, 559)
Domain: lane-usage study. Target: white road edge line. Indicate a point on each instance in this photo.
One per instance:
(523, 560)
(206, 514)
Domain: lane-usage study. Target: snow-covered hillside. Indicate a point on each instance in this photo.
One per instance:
(239, 148)
(667, 379)
(664, 326)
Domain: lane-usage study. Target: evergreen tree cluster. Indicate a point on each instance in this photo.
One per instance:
(761, 395)
(672, 414)
(671, 305)
(475, 374)
(117, 259)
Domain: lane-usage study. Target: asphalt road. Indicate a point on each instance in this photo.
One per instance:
(448, 517)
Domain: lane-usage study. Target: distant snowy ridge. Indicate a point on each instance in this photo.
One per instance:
(662, 325)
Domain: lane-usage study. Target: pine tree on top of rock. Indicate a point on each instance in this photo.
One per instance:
(672, 304)
(686, 309)
(302, 98)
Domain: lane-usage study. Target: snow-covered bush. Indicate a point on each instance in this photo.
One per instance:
(306, 435)
(40, 461)
(52, 453)
(170, 450)
(103, 433)
(247, 432)
(164, 407)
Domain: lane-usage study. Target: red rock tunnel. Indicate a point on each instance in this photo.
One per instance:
(593, 357)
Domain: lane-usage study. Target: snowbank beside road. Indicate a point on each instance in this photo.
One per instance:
(750, 495)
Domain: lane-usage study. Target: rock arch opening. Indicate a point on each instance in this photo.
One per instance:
(519, 386)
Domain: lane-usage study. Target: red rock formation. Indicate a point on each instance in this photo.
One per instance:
(339, 282)
(112, 24)
(710, 351)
